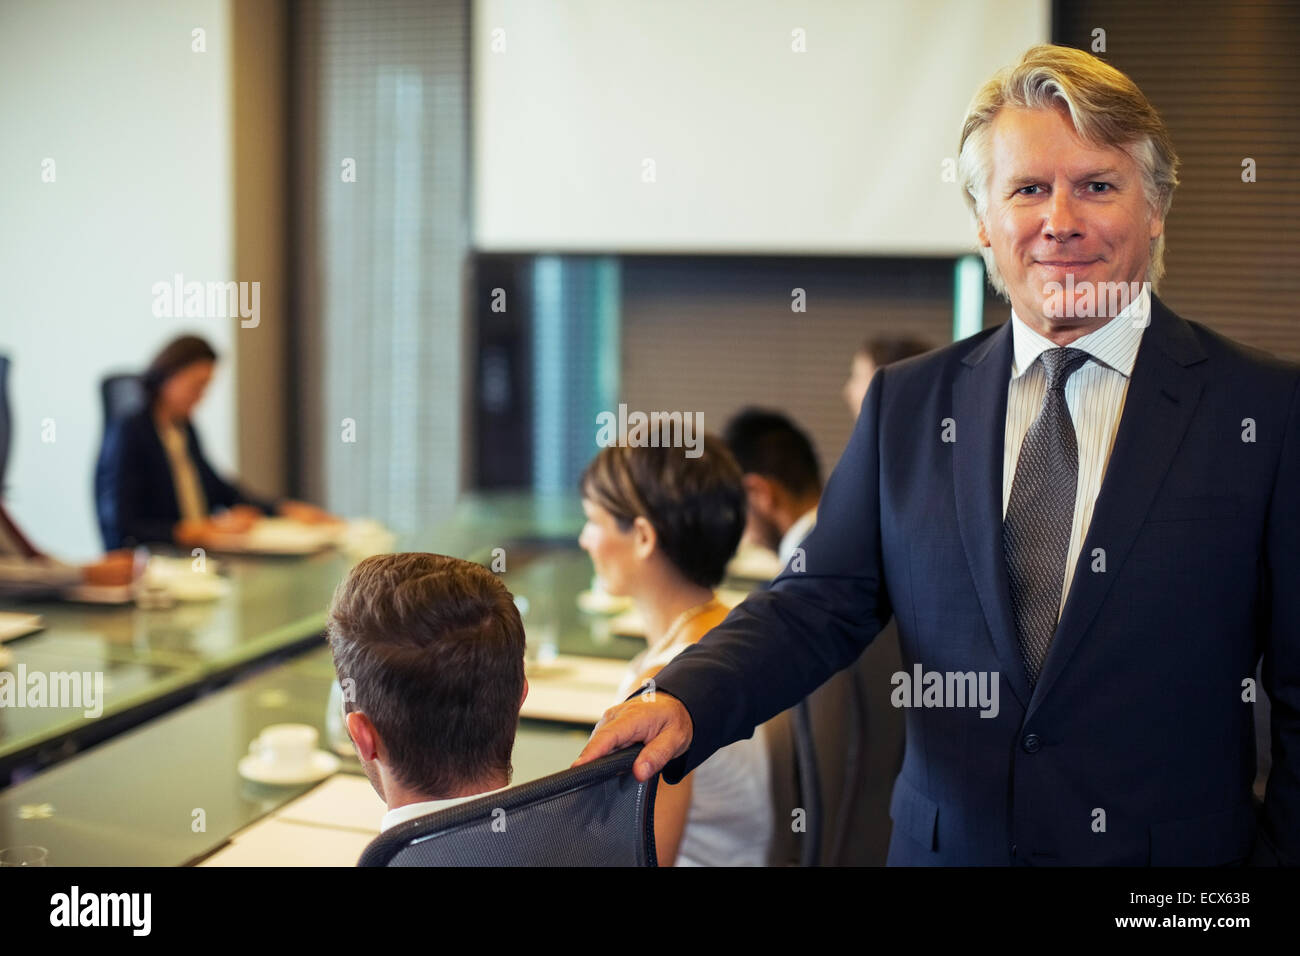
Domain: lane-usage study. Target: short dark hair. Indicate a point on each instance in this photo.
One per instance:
(885, 350)
(434, 648)
(696, 505)
(767, 443)
(175, 355)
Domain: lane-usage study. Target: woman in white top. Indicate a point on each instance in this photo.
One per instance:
(660, 529)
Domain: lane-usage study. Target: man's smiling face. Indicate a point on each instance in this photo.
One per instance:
(1059, 206)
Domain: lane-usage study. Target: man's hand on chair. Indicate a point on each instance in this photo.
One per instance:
(657, 719)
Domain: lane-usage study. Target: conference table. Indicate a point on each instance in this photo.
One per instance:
(187, 688)
(152, 660)
(168, 792)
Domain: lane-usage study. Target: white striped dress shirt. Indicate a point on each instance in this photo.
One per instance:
(1095, 396)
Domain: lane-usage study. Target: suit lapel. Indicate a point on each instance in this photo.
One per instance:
(1162, 396)
(979, 407)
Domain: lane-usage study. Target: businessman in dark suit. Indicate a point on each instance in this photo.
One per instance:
(1089, 512)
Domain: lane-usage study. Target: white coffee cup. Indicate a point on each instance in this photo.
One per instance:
(285, 747)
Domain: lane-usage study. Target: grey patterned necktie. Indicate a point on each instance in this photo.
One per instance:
(1040, 513)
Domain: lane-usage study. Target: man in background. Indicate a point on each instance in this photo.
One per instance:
(875, 353)
(782, 480)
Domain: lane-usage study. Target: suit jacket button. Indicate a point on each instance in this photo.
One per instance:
(1031, 743)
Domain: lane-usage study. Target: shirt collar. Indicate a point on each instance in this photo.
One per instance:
(412, 810)
(795, 535)
(1115, 344)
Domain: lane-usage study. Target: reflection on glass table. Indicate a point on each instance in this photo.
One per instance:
(169, 792)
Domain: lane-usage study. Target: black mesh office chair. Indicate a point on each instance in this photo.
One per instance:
(593, 815)
(6, 423)
(122, 395)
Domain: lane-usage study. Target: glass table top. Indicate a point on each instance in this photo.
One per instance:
(169, 792)
(132, 800)
(273, 604)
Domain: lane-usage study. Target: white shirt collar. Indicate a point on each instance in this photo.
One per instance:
(412, 810)
(794, 537)
(1115, 344)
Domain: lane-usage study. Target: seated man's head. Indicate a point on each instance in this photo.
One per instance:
(782, 479)
(430, 653)
(657, 518)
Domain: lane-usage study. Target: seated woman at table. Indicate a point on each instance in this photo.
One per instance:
(156, 484)
(660, 529)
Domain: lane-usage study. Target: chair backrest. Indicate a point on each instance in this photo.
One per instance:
(855, 753)
(594, 815)
(6, 422)
(809, 783)
(122, 395)
(796, 787)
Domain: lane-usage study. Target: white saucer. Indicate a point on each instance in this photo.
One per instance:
(320, 765)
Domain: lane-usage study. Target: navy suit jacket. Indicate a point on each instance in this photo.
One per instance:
(135, 495)
(1136, 746)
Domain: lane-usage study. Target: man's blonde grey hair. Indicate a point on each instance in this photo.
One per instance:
(1107, 110)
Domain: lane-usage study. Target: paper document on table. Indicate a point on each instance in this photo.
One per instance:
(282, 536)
(276, 842)
(576, 690)
(99, 594)
(754, 564)
(730, 597)
(358, 538)
(344, 800)
(17, 625)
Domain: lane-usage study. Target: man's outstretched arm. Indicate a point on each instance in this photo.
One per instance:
(779, 645)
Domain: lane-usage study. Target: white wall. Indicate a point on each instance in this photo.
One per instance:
(140, 131)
